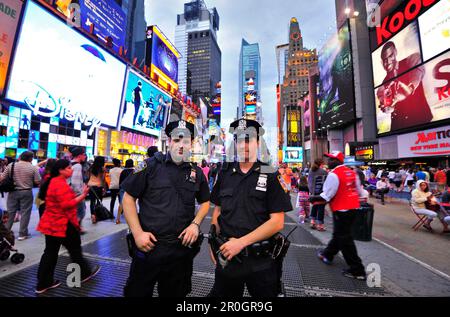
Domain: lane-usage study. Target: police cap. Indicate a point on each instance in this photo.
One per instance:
(180, 128)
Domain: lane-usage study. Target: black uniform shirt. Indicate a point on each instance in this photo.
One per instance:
(247, 200)
(161, 209)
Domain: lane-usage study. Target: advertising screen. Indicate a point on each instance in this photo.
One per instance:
(59, 73)
(9, 15)
(146, 107)
(292, 155)
(435, 29)
(416, 98)
(251, 97)
(108, 18)
(164, 56)
(336, 79)
(397, 56)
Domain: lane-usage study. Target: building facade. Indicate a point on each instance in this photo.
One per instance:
(294, 87)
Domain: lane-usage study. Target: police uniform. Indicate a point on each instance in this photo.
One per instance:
(247, 201)
(166, 193)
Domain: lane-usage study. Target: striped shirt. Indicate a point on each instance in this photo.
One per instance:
(25, 175)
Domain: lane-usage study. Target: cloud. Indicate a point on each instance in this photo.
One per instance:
(258, 21)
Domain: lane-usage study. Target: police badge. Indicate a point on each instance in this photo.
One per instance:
(262, 183)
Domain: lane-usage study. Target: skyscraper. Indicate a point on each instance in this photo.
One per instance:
(196, 39)
(295, 86)
(249, 81)
(282, 52)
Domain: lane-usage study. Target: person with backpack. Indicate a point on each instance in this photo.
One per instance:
(97, 184)
(60, 225)
(316, 179)
(127, 171)
(79, 179)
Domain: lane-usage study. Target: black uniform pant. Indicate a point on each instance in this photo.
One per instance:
(264, 283)
(49, 259)
(173, 275)
(343, 241)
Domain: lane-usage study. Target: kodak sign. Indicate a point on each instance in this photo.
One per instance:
(396, 21)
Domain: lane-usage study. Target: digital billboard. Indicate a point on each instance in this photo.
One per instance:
(9, 12)
(336, 80)
(163, 57)
(145, 107)
(397, 56)
(416, 98)
(251, 97)
(108, 18)
(411, 79)
(59, 73)
(435, 29)
(292, 155)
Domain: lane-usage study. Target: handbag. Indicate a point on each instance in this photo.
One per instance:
(101, 212)
(8, 185)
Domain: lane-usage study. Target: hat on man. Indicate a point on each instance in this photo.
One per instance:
(336, 155)
(76, 151)
(180, 128)
(246, 128)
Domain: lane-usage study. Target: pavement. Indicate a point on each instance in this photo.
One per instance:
(411, 263)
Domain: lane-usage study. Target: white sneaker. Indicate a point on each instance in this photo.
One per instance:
(23, 238)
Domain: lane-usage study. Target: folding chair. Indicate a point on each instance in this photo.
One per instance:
(422, 218)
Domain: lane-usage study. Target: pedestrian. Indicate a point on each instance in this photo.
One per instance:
(303, 201)
(419, 197)
(25, 176)
(372, 181)
(151, 151)
(127, 171)
(441, 179)
(213, 175)
(60, 225)
(166, 231)
(78, 179)
(96, 184)
(114, 186)
(316, 179)
(342, 190)
(250, 201)
(421, 175)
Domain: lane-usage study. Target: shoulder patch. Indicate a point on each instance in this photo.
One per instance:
(283, 184)
(141, 167)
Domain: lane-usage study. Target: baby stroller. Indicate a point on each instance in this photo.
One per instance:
(7, 246)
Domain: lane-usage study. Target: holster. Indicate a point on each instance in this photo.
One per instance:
(216, 241)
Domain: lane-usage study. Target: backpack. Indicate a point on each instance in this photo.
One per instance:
(8, 184)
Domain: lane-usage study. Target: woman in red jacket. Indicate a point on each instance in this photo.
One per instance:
(60, 225)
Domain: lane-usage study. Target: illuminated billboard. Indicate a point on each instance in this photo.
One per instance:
(411, 79)
(108, 18)
(57, 72)
(397, 56)
(336, 80)
(416, 98)
(292, 155)
(146, 107)
(162, 57)
(251, 97)
(435, 29)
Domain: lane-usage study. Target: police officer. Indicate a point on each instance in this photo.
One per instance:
(342, 190)
(250, 201)
(166, 229)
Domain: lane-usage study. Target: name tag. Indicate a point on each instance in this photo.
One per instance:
(262, 183)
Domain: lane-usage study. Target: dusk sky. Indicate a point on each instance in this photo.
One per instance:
(258, 21)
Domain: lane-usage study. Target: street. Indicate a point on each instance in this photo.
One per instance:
(406, 268)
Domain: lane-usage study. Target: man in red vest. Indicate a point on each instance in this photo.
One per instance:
(341, 190)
